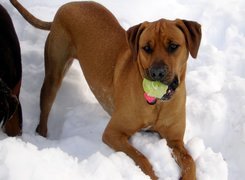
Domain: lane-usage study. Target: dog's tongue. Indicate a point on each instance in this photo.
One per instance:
(150, 99)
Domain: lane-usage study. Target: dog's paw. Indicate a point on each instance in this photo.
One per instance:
(41, 131)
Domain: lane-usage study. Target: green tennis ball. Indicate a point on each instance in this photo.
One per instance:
(154, 88)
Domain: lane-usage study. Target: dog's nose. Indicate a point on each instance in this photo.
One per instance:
(157, 72)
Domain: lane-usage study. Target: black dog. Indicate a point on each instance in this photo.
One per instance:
(10, 76)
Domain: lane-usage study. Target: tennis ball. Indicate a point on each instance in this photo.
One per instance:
(154, 88)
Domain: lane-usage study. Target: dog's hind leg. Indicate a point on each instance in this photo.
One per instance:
(58, 58)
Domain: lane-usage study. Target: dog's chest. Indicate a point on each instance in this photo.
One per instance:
(156, 115)
(150, 116)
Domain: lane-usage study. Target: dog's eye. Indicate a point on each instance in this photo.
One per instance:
(148, 49)
(172, 47)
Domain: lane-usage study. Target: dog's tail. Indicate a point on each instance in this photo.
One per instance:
(30, 18)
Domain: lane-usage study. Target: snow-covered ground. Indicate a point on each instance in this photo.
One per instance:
(215, 134)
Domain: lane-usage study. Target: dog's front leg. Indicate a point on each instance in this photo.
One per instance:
(184, 160)
(117, 138)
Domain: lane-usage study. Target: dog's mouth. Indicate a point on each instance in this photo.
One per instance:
(167, 96)
(171, 89)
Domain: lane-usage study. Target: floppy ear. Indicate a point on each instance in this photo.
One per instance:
(8, 102)
(133, 36)
(193, 35)
(13, 105)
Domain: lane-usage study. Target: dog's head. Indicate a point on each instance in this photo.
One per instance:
(161, 49)
(8, 102)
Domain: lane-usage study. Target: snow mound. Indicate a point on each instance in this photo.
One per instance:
(25, 161)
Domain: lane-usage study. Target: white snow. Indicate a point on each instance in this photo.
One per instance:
(215, 134)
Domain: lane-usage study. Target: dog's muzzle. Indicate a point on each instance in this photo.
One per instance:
(160, 72)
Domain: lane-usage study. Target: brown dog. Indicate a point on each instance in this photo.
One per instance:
(10, 76)
(114, 63)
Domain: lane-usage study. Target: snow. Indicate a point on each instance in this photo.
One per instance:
(215, 134)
